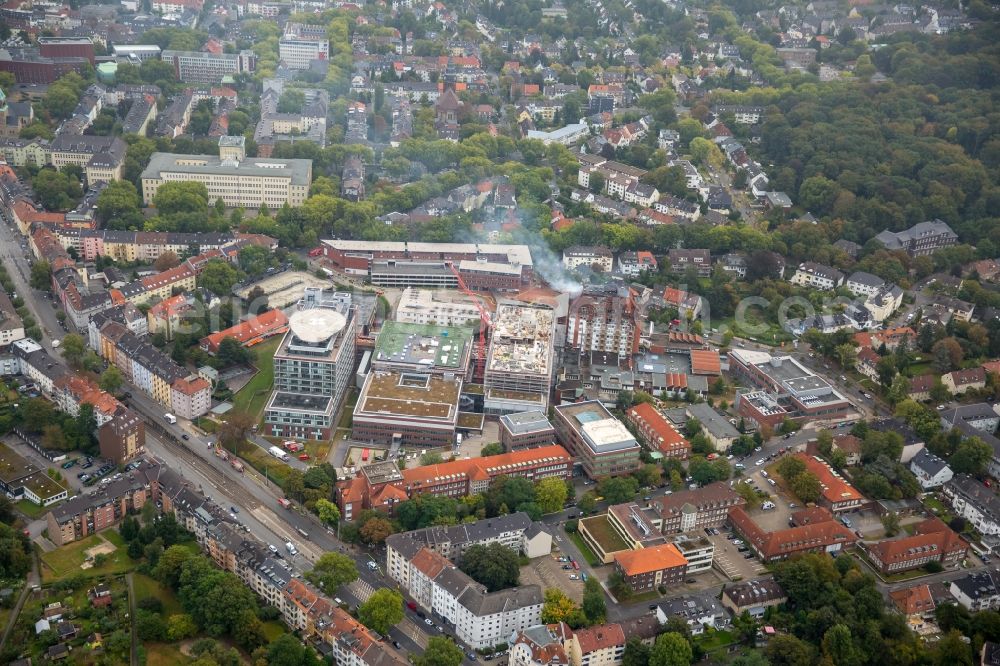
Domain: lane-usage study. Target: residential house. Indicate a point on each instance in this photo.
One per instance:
(960, 381)
(753, 597)
(680, 260)
(973, 501)
(931, 471)
(817, 276)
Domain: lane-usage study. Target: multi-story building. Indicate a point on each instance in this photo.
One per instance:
(100, 157)
(975, 502)
(11, 326)
(681, 260)
(301, 44)
(694, 510)
(923, 238)
(87, 514)
(836, 493)
(123, 437)
(634, 264)
(190, 397)
(932, 541)
(443, 308)
(817, 276)
(380, 485)
(978, 591)
(598, 441)
(788, 390)
(313, 366)
(30, 65)
(753, 597)
(526, 430)
(657, 433)
(823, 535)
(433, 349)
(205, 67)
(960, 381)
(515, 531)
(930, 470)
(589, 257)
(481, 619)
(482, 266)
(407, 409)
(22, 479)
(238, 182)
(248, 333)
(604, 323)
(646, 569)
(519, 363)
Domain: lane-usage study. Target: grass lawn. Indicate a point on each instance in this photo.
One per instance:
(713, 639)
(588, 554)
(273, 629)
(347, 411)
(164, 654)
(65, 561)
(32, 510)
(252, 397)
(605, 536)
(150, 587)
(917, 369)
(114, 537)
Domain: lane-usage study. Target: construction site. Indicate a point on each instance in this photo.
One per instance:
(519, 363)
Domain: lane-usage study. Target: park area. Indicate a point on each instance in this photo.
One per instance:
(96, 555)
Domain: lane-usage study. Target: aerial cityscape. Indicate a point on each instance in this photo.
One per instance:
(514, 332)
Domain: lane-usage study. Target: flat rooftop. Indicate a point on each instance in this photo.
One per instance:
(516, 254)
(525, 422)
(410, 394)
(300, 402)
(13, 467)
(298, 171)
(602, 431)
(424, 345)
(522, 339)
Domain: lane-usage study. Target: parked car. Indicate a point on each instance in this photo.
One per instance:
(68, 464)
(429, 622)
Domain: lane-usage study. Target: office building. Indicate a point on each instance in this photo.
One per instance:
(931, 541)
(526, 430)
(100, 157)
(788, 390)
(407, 409)
(657, 433)
(647, 569)
(482, 266)
(923, 238)
(301, 44)
(205, 67)
(380, 485)
(598, 441)
(136, 53)
(818, 536)
(519, 363)
(237, 180)
(313, 366)
(423, 348)
(442, 307)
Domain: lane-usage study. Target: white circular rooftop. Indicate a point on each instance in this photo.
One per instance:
(316, 324)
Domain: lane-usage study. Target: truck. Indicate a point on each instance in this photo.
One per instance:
(292, 445)
(170, 418)
(278, 453)
(284, 503)
(237, 465)
(316, 251)
(290, 547)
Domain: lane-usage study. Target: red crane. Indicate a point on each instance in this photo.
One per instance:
(484, 323)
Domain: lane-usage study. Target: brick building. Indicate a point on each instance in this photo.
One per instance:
(657, 433)
(647, 569)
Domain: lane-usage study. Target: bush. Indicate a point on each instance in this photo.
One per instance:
(572, 525)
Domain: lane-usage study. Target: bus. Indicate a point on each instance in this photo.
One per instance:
(364, 456)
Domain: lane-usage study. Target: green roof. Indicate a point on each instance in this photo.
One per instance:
(424, 345)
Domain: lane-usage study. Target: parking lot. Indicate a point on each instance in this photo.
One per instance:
(548, 572)
(284, 289)
(735, 565)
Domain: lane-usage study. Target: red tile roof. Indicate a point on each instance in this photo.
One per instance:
(669, 440)
(786, 542)
(252, 330)
(481, 469)
(835, 488)
(647, 560)
(913, 600)
(969, 376)
(705, 362)
(600, 637)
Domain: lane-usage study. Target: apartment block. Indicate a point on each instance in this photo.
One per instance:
(205, 67)
(657, 433)
(604, 323)
(301, 44)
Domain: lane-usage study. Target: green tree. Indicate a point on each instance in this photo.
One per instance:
(494, 565)
(806, 487)
(491, 449)
(551, 494)
(181, 197)
(971, 456)
(839, 646)
(618, 489)
(41, 276)
(331, 571)
(218, 277)
(670, 649)
(636, 652)
(787, 650)
(594, 607)
(746, 627)
(73, 348)
(118, 206)
(560, 608)
(382, 611)
(180, 626)
(327, 511)
(56, 190)
(890, 522)
(440, 651)
(947, 354)
(111, 380)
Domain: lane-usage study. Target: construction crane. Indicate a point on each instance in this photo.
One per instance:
(485, 321)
